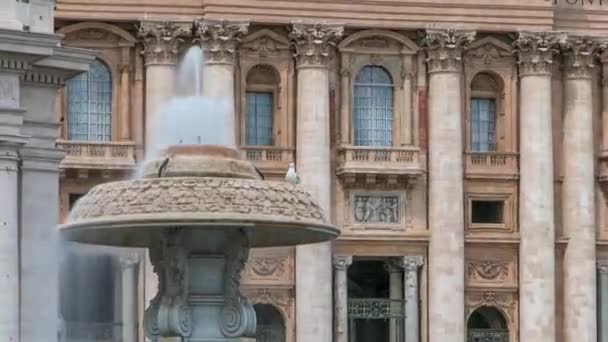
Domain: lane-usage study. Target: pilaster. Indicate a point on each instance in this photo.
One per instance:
(446, 207)
(162, 40)
(444, 49)
(537, 214)
(219, 39)
(315, 43)
(602, 300)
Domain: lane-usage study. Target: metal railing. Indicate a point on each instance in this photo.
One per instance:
(91, 332)
(488, 335)
(392, 311)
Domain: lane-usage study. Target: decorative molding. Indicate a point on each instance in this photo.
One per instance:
(580, 55)
(488, 270)
(314, 43)
(489, 50)
(444, 49)
(342, 262)
(266, 266)
(162, 40)
(96, 31)
(535, 51)
(374, 40)
(264, 43)
(503, 301)
(219, 39)
(376, 209)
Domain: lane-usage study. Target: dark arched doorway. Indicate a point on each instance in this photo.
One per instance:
(271, 327)
(487, 324)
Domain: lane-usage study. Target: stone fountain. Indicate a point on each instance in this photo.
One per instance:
(199, 209)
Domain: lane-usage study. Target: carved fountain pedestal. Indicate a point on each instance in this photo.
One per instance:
(199, 209)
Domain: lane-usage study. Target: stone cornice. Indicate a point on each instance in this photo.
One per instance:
(341, 262)
(162, 39)
(444, 48)
(580, 55)
(314, 43)
(219, 39)
(535, 51)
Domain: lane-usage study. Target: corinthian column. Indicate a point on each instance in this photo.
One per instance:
(446, 249)
(314, 45)
(536, 208)
(341, 264)
(578, 193)
(161, 42)
(219, 41)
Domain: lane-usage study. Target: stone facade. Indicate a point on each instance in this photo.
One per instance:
(412, 204)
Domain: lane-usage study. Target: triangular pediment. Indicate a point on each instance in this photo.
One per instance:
(378, 40)
(489, 50)
(265, 41)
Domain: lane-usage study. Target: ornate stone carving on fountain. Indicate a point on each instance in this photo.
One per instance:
(444, 48)
(161, 40)
(314, 43)
(219, 39)
(535, 51)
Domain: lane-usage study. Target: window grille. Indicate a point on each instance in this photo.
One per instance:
(373, 104)
(90, 105)
(483, 124)
(259, 118)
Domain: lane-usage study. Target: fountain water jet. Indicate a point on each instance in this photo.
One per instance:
(199, 208)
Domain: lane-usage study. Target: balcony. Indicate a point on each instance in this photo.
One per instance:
(270, 160)
(370, 319)
(488, 335)
(379, 162)
(97, 155)
(501, 165)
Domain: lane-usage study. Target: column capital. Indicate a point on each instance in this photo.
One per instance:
(219, 39)
(412, 262)
(535, 51)
(314, 43)
(602, 266)
(161, 40)
(341, 262)
(580, 55)
(444, 48)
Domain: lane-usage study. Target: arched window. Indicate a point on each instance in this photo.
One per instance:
(271, 327)
(262, 84)
(90, 104)
(487, 324)
(484, 98)
(373, 103)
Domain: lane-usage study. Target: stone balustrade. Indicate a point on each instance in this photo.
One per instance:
(97, 155)
(353, 160)
(491, 165)
(269, 159)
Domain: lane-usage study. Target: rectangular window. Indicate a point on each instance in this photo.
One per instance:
(487, 212)
(483, 124)
(259, 118)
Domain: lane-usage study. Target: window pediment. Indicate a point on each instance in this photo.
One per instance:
(265, 43)
(489, 50)
(93, 34)
(378, 42)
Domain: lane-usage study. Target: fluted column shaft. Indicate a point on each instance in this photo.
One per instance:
(314, 44)
(536, 200)
(578, 194)
(341, 264)
(161, 42)
(446, 249)
(219, 41)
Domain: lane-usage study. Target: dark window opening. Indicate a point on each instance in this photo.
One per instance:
(487, 211)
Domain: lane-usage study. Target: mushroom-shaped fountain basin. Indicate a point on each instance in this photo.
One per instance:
(207, 192)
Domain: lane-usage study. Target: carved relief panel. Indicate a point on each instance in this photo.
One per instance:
(491, 267)
(505, 302)
(376, 210)
(269, 266)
